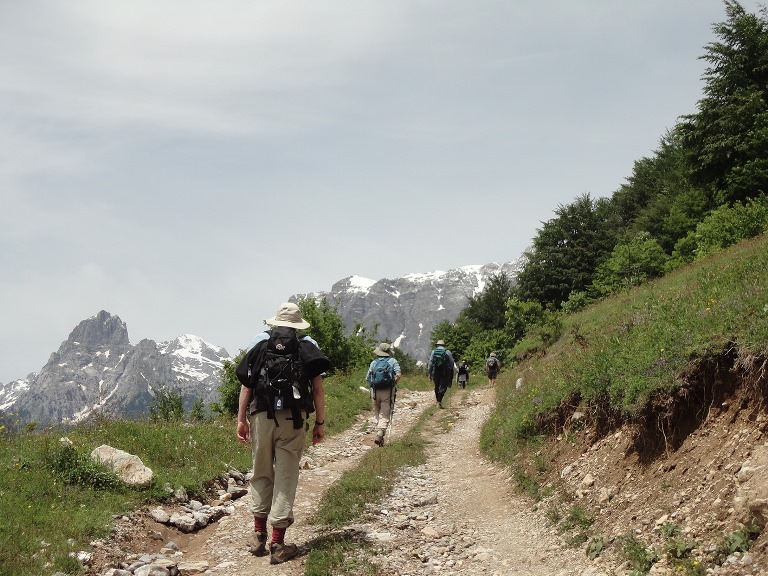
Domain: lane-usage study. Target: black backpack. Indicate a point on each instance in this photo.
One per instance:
(274, 370)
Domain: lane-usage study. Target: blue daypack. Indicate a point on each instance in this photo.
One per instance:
(382, 373)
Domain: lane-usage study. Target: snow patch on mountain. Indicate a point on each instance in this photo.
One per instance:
(360, 284)
(10, 392)
(192, 357)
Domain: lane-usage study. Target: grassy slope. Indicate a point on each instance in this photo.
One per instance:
(47, 515)
(616, 355)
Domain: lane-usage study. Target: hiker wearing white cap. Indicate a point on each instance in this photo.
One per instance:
(282, 384)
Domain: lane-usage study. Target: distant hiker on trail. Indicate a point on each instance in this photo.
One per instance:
(440, 368)
(462, 374)
(282, 384)
(492, 368)
(383, 376)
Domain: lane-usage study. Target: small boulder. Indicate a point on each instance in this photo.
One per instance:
(751, 499)
(129, 468)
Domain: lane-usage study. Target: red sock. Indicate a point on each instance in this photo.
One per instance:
(278, 535)
(259, 524)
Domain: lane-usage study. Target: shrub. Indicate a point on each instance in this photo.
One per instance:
(724, 227)
(595, 547)
(75, 468)
(634, 551)
(737, 541)
(169, 405)
(576, 517)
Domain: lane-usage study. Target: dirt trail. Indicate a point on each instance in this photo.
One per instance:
(455, 515)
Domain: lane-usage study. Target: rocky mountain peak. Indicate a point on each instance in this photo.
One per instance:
(189, 344)
(97, 371)
(101, 330)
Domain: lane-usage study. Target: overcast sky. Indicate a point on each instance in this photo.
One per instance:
(189, 165)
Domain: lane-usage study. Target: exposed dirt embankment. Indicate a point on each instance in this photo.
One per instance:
(693, 469)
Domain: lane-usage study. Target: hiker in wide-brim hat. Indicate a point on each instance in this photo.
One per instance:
(271, 416)
(288, 315)
(382, 378)
(383, 349)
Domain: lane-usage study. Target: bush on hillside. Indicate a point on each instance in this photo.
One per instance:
(724, 227)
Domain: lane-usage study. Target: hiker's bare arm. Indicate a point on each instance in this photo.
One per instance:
(243, 432)
(318, 432)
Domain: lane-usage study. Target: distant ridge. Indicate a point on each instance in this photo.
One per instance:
(407, 309)
(96, 370)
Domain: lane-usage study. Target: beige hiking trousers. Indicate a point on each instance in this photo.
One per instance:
(382, 408)
(276, 454)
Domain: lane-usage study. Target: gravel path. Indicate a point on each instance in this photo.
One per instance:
(455, 515)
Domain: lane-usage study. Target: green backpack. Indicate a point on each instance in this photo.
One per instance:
(440, 361)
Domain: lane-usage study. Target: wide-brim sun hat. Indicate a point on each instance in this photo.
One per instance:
(288, 315)
(440, 343)
(383, 349)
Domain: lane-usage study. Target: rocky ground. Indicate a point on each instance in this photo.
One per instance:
(704, 488)
(459, 514)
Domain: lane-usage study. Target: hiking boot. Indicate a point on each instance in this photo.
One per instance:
(282, 552)
(258, 545)
(379, 440)
(439, 404)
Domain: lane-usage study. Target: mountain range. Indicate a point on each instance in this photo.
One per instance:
(97, 371)
(406, 310)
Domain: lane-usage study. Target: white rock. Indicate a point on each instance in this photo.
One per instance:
(190, 568)
(588, 481)
(160, 515)
(128, 467)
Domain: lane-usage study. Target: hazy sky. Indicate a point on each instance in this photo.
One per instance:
(189, 165)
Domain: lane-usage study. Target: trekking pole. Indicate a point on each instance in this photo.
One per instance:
(391, 414)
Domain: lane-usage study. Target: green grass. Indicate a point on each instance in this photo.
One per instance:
(340, 554)
(634, 551)
(49, 501)
(349, 497)
(371, 479)
(55, 502)
(617, 354)
(343, 401)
